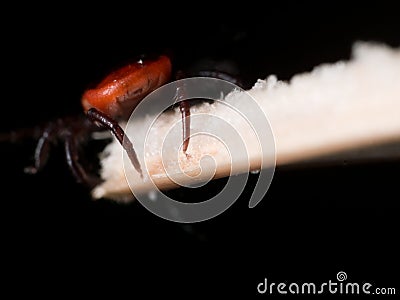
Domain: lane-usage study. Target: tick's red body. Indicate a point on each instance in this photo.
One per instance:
(119, 93)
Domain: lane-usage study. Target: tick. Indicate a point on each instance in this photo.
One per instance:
(113, 99)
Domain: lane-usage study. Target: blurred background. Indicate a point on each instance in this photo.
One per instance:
(313, 222)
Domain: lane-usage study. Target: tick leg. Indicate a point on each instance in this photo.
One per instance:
(222, 75)
(42, 150)
(184, 107)
(21, 134)
(107, 122)
(71, 153)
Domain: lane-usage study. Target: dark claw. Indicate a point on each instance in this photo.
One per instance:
(107, 122)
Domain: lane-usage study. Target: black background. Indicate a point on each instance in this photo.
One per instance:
(313, 222)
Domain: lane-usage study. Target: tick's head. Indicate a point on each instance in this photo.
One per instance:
(120, 91)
